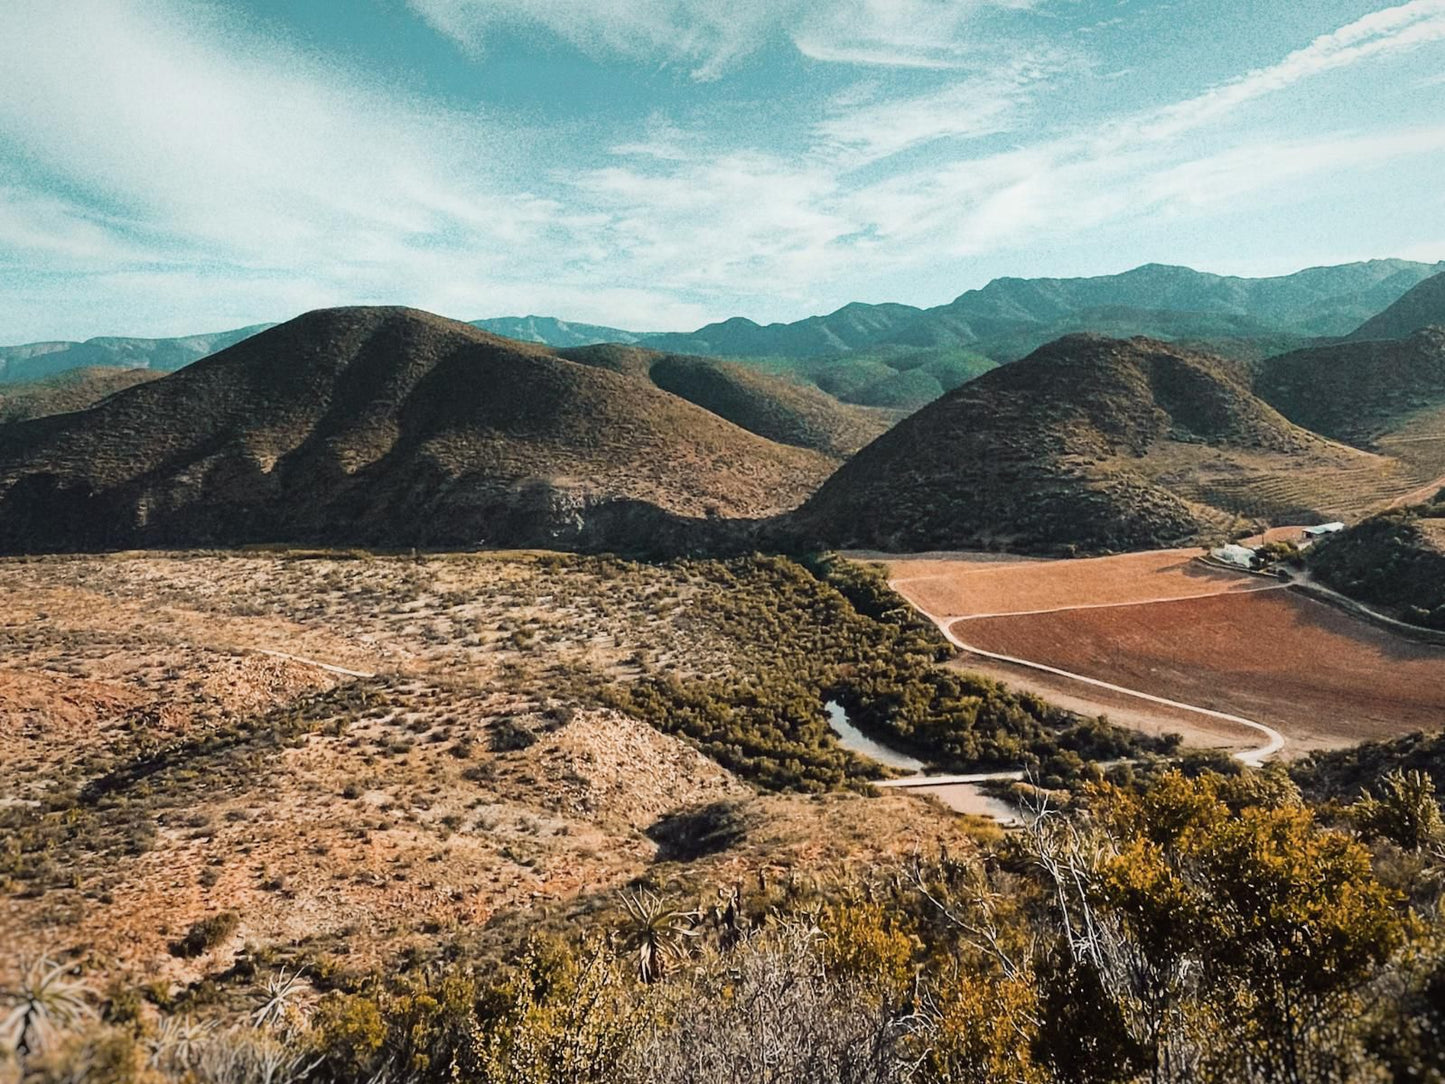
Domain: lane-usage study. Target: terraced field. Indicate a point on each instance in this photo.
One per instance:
(1420, 443)
(1338, 482)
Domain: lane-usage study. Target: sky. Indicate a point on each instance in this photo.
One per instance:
(178, 166)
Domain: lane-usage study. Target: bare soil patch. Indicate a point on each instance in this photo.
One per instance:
(956, 588)
(1320, 677)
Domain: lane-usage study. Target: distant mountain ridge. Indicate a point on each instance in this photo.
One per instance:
(550, 331)
(1422, 307)
(35, 361)
(1011, 317)
(998, 323)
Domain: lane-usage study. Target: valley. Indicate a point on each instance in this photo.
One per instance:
(366, 756)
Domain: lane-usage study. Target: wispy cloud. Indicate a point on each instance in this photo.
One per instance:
(223, 156)
(1391, 30)
(707, 37)
(984, 104)
(163, 159)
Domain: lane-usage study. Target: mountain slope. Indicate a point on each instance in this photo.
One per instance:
(769, 406)
(1357, 391)
(1088, 443)
(389, 427)
(75, 389)
(1383, 395)
(1395, 560)
(551, 331)
(35, 361)
(1422, 307)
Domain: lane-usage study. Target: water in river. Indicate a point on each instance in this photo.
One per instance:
(855, 741)
(962, 797)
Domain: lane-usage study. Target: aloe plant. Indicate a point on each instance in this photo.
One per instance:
(47, 1000)
(654, 933)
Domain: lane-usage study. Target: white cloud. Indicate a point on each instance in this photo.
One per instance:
(708, 37)
(984, 104)
(223, 157)
(1391, 30)
(170, 164)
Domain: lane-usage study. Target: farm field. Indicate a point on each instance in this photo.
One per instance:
(963, 587)
(1163, 624)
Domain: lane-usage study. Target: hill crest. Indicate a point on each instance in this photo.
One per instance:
(1089, 444)
(384, 426)
(1423, 306)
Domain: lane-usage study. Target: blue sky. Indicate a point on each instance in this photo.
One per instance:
(171, 166)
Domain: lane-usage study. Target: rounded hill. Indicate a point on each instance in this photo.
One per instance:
(1088, 444)
(384, 426)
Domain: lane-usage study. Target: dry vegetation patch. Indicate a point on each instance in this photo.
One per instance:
(166, 772)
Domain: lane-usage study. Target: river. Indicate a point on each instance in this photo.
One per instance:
(960, 797)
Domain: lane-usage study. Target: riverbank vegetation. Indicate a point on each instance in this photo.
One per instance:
(804, 633)
(1188, 929)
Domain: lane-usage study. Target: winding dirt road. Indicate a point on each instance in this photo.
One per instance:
(1274, 740)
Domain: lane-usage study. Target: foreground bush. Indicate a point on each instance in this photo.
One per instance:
(1204, 929)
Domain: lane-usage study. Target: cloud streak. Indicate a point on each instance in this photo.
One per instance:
(708, 38)
(166, 160)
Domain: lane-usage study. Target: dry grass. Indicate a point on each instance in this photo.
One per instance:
(347, 821)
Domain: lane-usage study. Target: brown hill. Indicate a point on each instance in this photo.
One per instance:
(385, 426)
(1385, 395)
(75, 389)
(1090, 444)
(781, 410)
(1423, 306)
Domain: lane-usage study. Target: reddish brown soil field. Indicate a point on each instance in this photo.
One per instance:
(960, 587)
(1317, 675)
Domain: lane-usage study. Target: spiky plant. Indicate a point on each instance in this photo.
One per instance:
(655, 934)
(47, 1000)
(177, 1041)
(280, 992)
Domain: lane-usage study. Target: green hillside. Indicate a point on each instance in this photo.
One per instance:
(1395, 560)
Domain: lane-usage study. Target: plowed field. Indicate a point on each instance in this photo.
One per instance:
(1167, 625)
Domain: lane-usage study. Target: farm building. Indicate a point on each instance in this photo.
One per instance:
(1234, 554)
(1323, 529)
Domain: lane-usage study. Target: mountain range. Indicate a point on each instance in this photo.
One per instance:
(900, 356)
(36, 361)
(395, 427)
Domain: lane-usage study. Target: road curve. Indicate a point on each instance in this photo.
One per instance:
(1274, 739)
